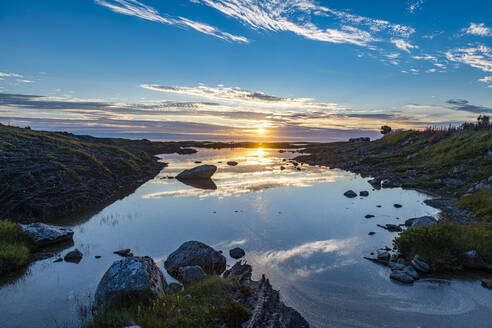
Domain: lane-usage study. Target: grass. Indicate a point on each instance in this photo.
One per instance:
(14, 247)
(480, 202)
(447, 243)
(209, 306)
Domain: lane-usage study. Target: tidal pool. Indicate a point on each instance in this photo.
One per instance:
(297, 227)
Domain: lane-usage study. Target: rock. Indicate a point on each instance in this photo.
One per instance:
(282, 168)
(391, 227)
(188, 297)
(471, 255)
(401, 276)
(371, 233)
(74, 256)
(375, 183)
(44, 235)
(420, 265)
(131, 278)
(350, 194)
(237, 253)
(364, 193)
(97, 256)
(379, 206)
(174, 287)
(198, 162)
(195, 253)
(124, 252)
(368, 216)
(361, 139)
(421, 221)
(388, 183)
(383, 255)
(199, 172)
(191, 274)
(411, 272)
(487, 283)
(397, 206)
(396, 266)
(232, 163)
(58, 260)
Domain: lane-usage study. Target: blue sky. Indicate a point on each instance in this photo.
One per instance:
(219, 69)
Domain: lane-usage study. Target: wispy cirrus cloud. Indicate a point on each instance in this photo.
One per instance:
(403, 45)
(478, 57)
(487, 80)
(143, 11)
(414, 5)
(478, 29)
(2, 74)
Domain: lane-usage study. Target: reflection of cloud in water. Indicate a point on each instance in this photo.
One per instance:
(246, 184)
(273, 259)
(232, 243)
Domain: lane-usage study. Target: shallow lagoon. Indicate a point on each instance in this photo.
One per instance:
(296, 226)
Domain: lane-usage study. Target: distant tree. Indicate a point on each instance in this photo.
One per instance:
(483, 120)
(385, 129)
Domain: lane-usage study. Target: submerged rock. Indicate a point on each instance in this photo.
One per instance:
(129, 279)
(44, 235)
(232, 163)
(199, 172)
(191, 274)
(195, 253)
(364, 193)
(421, 221)
(74, 256)
(237, 253)
(350, 194)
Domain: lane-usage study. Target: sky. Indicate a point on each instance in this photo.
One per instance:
(314, 70)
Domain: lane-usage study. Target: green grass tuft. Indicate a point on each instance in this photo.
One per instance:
(14, 247)
(480, 202)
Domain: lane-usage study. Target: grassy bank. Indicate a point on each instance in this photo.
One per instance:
(14, 247)
(209, 306)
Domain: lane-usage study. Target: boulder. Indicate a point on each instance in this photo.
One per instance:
(421, 221)
(195, 253)
(487, 283)
(199, 172)
(124, 252)
(44, 235)
(237, 253)
(401, 276)
(191, 274)
(74, 256)
(174, 287)
(131, 278)
(232, 163)
(364, 193)
(420, 265)
(383, 255)
(350, 194)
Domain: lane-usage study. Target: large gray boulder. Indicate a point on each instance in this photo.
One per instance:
(199, 172)
(421, 221)
(132, 278)
(195, 253)
(191, 274)
(44, 235)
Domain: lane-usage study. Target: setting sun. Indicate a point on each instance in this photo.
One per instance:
(260, 131)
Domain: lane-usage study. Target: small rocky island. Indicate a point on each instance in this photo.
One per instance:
(134, 292)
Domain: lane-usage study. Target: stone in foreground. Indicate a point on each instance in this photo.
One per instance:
(195, 253)
(44, 235)
(129, 279)
(199, 172)
(350, 194)
(237, 253)
(191, 274)
(421, 221)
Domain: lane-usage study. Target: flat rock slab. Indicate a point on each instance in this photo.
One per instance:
(129, 279)
(44, 235)
(198, 172)
(195, 253)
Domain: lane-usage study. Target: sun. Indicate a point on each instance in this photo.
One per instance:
(260, 131)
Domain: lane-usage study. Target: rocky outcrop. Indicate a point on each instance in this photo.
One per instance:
(198, 172)
(264, 302)
(130, 279)
(421, 221)
(195, 253)
(43, 235)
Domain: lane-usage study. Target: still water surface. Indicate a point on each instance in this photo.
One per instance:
(296, 226)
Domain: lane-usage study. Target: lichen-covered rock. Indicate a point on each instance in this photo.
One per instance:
(128, 279)
(421, 221)
(191, 274)
(195, 253)
(44, 235)
(199, 172)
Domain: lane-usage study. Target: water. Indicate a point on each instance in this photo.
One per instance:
(296, 226)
